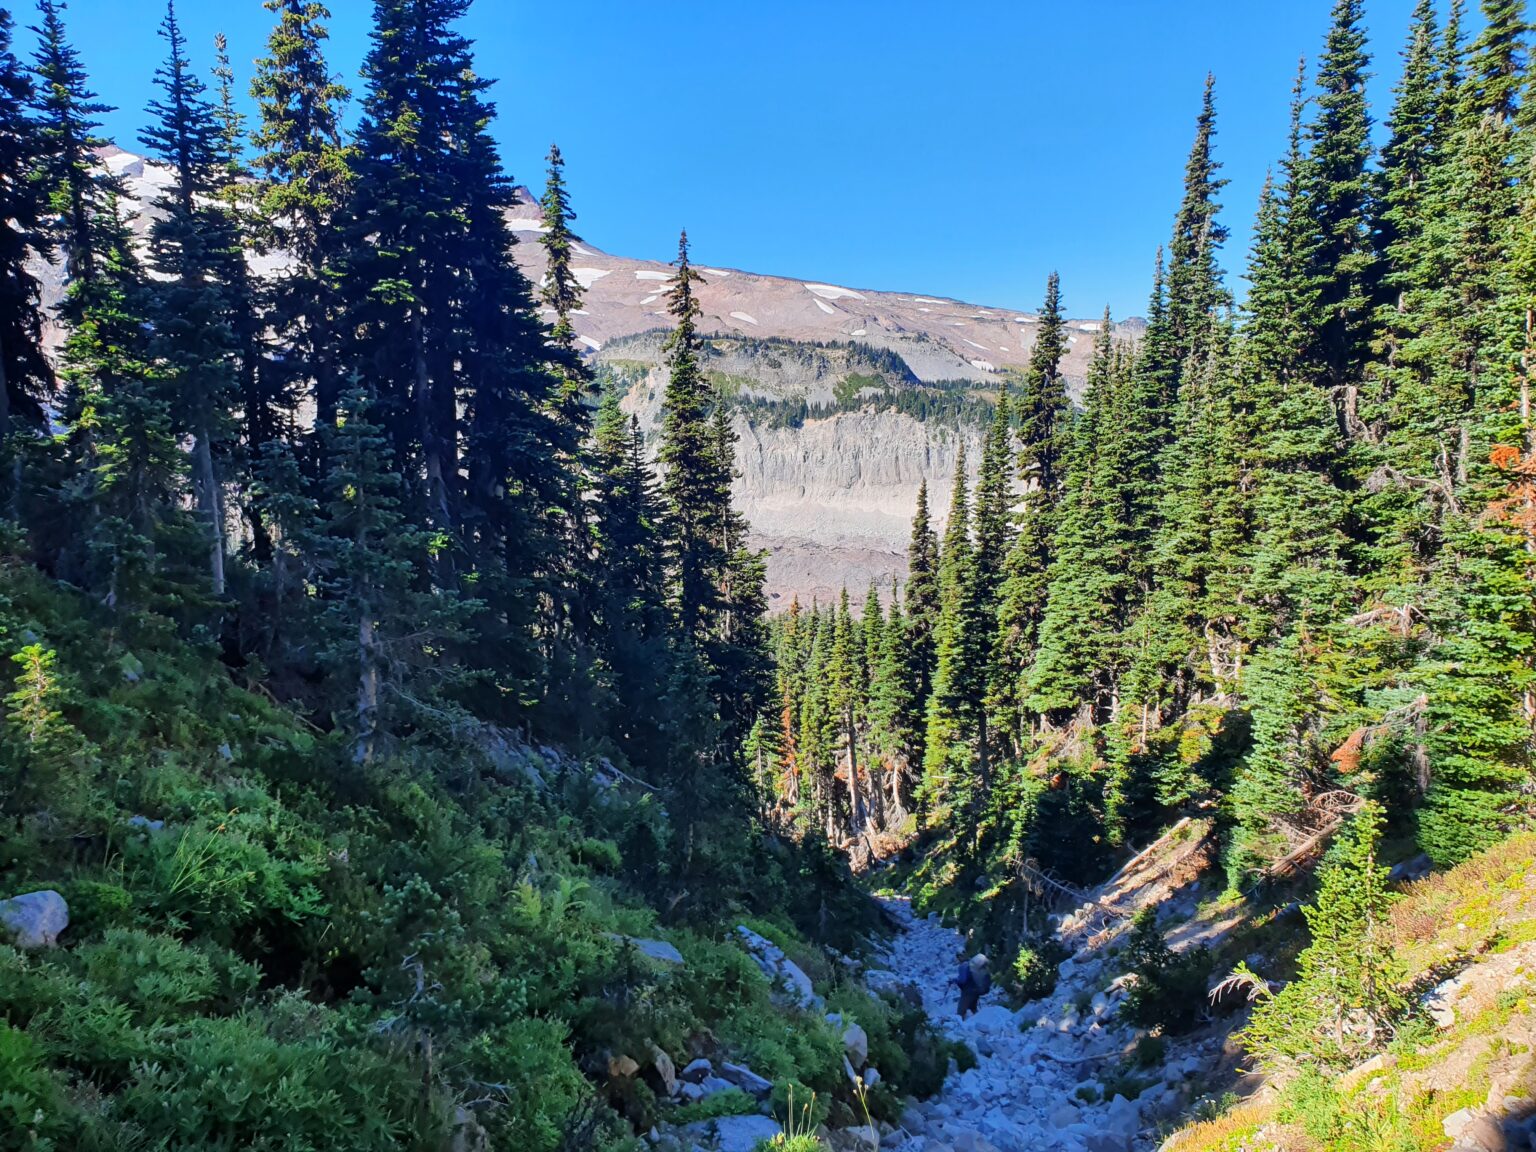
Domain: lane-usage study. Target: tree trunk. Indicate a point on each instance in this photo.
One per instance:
(431, 445)
(209, 505)
(855, 795)
(367, 689)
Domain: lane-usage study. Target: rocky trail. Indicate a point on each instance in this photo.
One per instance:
(1037, 1081)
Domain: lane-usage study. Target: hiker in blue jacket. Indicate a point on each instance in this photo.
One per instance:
(974, 981)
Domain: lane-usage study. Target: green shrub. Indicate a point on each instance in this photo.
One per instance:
(1033, 972)
(1169, 989)
(31, 1103)
(733, 1102)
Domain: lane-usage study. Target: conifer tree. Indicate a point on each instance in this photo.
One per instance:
(1335, 191)
(690, 465)
(77, 189)
(304, 166)
(922, 605)
(843, 694)
(896, 713)
(193, 252)
(1042, 411)
(381, 627)
(25, 377)
(955, 766)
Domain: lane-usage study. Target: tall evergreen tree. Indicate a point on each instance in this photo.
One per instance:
(26, 379)
(77, 188)
(304, 167)
(690, 463)
(194, 253)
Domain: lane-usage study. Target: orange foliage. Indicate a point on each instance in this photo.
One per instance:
(1346, 757)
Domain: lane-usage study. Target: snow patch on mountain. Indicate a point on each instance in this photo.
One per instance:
(832, 292)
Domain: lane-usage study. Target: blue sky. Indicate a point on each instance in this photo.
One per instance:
(959, 149)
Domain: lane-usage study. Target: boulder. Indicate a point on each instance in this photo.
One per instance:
(1406, 870)
(1062, 1116)
(1456, 1121)
(622, 1067)
(871, 1077)
(35, 919)
(145, 823)
(1438, 1003)
(790, 984)
(714, 1085)
(1123, 1119)
(697, 1071)
(659, 951)
(993, 1018)
(732, 1133)
(878, 981)
(666, 1071)
(864, 1138)
(1486, 1135)
(968, 1140)
(1473, 1130)
(746, 1079)
(856, 1045)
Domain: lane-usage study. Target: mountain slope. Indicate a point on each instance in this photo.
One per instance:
(829, 470)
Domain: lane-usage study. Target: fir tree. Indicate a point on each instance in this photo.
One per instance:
(922, 593)
(78, 190)
(305, 170)
(690, 463)
(193, 251)
(26, 380)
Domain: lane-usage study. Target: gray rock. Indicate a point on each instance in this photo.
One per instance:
(871, 1077)
(665, 1070)
(697, 1071)
(746, 1079)
(856, 1045)
(1437, 1003)
(864, 1138)
(790, 983)
(993, 1018)
(657, 950)
(35, 919)
(714, 1085)
(1062, 1116)
(145, 823)
(733, 1133)
(878, 980)
(1406, 870)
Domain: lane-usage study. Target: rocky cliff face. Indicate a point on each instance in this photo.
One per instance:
(847, 398)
